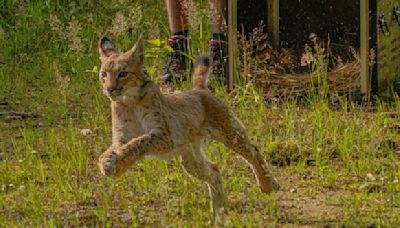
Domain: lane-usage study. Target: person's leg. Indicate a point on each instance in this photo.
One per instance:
(178, 23)
(218, 23)
(218, 42)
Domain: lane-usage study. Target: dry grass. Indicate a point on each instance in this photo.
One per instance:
(345, 79)
(337, 167)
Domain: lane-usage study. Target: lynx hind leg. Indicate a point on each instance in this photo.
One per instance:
(235, 138)
(196, 164)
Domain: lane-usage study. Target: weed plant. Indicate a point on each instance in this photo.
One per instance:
(337, 165)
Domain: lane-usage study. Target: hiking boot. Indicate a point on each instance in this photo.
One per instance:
(218, 61)
(176, 63)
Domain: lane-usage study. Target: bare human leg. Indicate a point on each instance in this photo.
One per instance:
(218, 23)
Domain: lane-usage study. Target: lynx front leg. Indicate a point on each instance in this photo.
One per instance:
(116, 162)
(196, 164)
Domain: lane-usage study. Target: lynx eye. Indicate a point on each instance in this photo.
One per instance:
(122, 75)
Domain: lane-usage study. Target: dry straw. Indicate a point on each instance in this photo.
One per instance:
(344, 79)
(281, 74)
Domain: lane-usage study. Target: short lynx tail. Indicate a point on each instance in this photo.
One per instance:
(201, 71)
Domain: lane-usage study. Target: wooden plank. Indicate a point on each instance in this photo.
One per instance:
(273, 21)
(232, 43)
(364, 47)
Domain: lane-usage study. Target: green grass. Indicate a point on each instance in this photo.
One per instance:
(336, 166)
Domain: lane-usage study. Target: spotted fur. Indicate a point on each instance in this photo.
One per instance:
(147, 123)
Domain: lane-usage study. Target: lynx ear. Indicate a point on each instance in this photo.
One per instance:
(136, 54)
(106, 48)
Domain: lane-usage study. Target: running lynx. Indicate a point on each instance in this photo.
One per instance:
(147, 123)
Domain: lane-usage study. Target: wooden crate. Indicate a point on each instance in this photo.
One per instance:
(365, 25)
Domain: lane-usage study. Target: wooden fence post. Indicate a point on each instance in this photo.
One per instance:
(273, 21)
(232, 43)
(364, 47)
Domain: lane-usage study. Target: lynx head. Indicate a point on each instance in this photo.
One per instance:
(121, 73)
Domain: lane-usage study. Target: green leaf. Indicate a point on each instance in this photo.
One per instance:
(168, 48)
(156, 42)
(93, 70)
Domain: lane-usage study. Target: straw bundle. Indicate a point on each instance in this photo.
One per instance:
(345, 79)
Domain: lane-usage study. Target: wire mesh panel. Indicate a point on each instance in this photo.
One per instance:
(388, 46)
(250, 14)
(338, 19)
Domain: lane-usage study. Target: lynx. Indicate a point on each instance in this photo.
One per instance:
(147, 123)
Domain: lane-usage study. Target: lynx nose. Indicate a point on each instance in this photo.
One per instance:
(111, 90)
(110, 86)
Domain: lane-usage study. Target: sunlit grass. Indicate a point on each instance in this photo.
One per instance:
(336, 165)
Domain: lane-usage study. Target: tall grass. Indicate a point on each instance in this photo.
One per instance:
(345, 160)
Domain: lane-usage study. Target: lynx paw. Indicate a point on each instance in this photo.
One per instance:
(107, 163)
